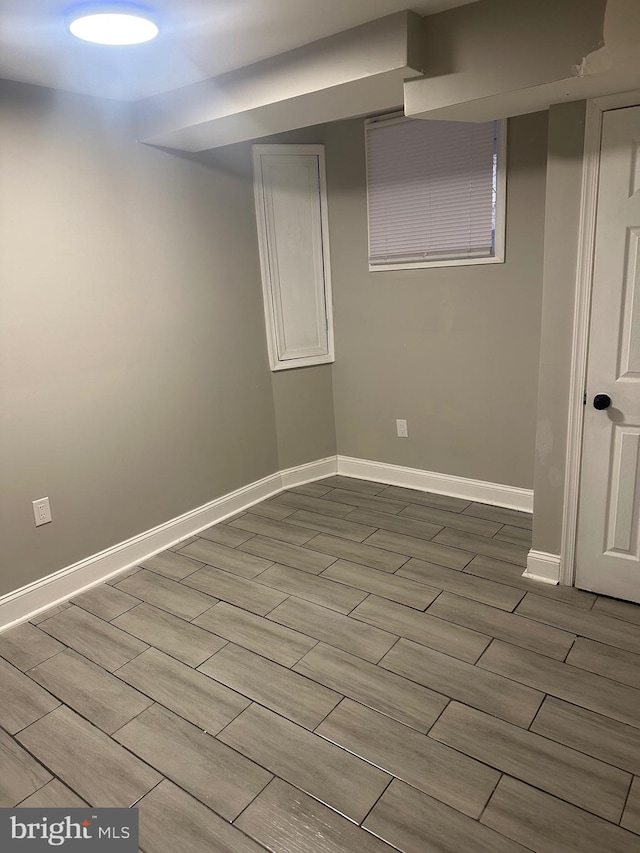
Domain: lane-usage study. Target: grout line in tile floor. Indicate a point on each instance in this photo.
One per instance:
(382, 793)
(363, 504)
(344, 749)
(114, 672)
(484, 808)
(626, 802)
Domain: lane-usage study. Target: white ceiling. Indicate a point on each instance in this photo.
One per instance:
(200, 39)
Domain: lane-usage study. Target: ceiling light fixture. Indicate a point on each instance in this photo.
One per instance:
(112, 23)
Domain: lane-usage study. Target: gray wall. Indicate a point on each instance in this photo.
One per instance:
(305, 422)
(454, 350)
(563, 205)
(303, 398)
(134, 382)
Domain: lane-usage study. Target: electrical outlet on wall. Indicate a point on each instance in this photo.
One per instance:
(41, 511)
(402, 429)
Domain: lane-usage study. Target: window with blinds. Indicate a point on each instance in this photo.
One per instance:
(436, 192)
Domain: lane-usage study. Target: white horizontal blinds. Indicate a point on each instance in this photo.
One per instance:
(431, 189)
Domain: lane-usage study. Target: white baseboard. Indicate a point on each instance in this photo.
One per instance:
(309, 472)
(444, 484)
(24, 603)
(542, 567)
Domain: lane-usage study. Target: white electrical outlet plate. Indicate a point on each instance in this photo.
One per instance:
(41, 511)
(402, 429)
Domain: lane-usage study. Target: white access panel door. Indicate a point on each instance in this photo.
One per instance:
(291, 210)
(608, 548)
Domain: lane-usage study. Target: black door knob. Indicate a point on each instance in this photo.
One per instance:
(601, 401)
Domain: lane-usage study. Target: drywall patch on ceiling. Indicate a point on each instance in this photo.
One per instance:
(619, 46)
(498, 47)
(556, 52)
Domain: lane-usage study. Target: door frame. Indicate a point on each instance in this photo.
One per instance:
(595, 109)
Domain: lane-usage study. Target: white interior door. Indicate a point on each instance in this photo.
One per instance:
(608, 549)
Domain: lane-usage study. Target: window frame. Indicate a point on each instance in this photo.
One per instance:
(498, 257)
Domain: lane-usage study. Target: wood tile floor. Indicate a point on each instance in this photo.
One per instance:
(345, 667)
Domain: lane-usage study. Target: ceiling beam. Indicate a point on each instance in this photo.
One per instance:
(502, 58)
(357, 72)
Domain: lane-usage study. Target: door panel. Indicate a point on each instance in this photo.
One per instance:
(608, 551)
(293, 238)
(622, 527)
(629, 367)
